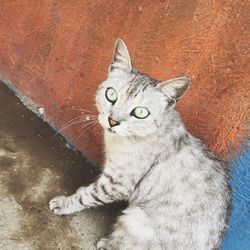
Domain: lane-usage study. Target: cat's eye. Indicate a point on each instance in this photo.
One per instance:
(111, 95)
(140, 112)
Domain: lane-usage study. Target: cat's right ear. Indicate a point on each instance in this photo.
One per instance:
(121, 59)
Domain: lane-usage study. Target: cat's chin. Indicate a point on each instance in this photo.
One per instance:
(111, 132)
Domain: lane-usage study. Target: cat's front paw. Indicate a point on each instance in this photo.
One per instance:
(62, 205)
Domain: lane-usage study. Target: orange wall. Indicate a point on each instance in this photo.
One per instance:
(56, 53)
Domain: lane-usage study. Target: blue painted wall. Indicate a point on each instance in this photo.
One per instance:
(238, 234)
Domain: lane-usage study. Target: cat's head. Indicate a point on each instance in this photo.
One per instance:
(131, 103)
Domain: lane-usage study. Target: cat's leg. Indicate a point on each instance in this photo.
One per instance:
(104, 190)
(133, 230)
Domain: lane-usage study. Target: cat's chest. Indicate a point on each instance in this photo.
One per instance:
(127, 160)
(128, 157)
(124, 158)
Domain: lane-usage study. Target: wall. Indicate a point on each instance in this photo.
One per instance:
(56, 53)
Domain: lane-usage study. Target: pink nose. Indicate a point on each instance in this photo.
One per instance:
(113, 123)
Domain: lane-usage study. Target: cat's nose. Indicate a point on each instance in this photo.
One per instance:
(113, 123)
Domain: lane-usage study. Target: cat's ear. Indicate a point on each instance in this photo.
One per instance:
(175, 88)
(121, 59)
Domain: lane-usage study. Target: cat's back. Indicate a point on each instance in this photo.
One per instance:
(184, 193)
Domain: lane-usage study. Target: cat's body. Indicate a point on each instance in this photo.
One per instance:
(177, 190)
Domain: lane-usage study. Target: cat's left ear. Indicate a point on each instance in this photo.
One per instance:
(175, 88)
(121, 59)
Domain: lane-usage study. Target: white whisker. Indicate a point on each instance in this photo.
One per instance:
(93, 124)
(76, 120)
(65, 127)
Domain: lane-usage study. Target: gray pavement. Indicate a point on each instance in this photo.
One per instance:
(34, 168)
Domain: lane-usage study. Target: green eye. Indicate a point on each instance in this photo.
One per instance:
(140, 112)
(111, 95)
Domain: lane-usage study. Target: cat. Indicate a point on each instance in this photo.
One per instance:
(177, 191)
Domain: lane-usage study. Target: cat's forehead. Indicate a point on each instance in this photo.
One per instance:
(139, 83)
(131, 85)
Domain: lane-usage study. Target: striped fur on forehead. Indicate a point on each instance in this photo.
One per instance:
(139, 83)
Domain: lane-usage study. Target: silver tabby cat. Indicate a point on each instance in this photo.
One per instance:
(177, 190)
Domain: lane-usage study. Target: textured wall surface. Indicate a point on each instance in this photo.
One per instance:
(57, 52)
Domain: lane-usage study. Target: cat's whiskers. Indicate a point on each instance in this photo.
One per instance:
(77, 120)
(67, 126)
(74, 119)
(79, 117)
(90, 120)
(83, 117)
(91, 125)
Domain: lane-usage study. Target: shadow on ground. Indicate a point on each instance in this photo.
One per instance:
(34, 168)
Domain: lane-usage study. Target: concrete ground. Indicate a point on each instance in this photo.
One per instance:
(35, 167)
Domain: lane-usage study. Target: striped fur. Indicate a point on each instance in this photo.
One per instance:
(177, 190)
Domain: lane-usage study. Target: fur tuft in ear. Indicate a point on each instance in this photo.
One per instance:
(175, 88)
(121, 59)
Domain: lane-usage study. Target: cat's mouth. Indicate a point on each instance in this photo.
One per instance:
(111, 131)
